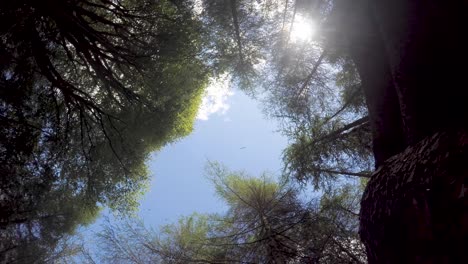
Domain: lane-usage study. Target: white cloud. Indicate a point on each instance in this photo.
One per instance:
(215, 97)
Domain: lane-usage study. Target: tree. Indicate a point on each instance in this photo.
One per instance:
(266, 222)
(409, 42)
(403, 52)
(88, 90)
(310, 86)
(238, 34)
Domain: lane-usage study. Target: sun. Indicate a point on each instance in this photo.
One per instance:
(303, 29)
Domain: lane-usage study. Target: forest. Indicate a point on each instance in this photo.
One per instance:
(367, 95)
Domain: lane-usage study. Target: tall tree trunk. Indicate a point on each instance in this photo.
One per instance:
(415, 207)
(408, 53)
(426, 46)
(367, 50)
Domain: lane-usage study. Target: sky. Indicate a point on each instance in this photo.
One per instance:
(230, 129)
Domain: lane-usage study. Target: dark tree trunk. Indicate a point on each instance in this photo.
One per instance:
(366, 49)
(415, 207)
(409, 54)
(426, 47)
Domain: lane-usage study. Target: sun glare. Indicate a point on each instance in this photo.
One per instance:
(303, 29)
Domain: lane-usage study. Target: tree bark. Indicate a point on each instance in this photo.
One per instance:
(408, 54)
(415, 207)
(366, 49)
(426, 47)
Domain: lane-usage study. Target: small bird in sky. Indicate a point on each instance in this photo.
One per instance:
(242, 147)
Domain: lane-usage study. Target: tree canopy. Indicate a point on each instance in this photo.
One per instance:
(265, 222)
(89, 90)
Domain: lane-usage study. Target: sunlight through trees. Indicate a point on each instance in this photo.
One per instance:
(366, 92)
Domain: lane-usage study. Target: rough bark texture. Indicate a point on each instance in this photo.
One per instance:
(415, 207)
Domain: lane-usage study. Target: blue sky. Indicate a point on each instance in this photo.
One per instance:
(230, 129)
(236, 134)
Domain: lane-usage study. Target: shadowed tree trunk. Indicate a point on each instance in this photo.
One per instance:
(414, 209)
(366, 49)
(410, 57)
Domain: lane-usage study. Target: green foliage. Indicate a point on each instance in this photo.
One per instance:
(311, 87)
(233, 187)
(88, 90)
(239, 33)
(266, 222)
(322, 153)
(187, 241)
